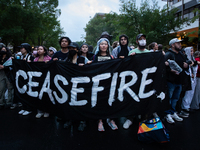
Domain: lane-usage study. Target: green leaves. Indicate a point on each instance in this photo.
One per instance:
(31, 21)
(155, 22)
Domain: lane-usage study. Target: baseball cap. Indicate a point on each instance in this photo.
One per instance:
(174, 40)
(73, 44)
(139, 36)
(26, 46)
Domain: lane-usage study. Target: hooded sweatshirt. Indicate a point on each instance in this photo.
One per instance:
(121, 50)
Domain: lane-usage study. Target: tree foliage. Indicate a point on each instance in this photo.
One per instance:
(155, 22)
(99, 24)
(31, 21)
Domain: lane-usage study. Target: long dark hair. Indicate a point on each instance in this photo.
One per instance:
(80, 52)
(8, 51)
(45, 50)
(152, 45)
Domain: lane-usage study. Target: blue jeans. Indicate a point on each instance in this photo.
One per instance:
(174, 91)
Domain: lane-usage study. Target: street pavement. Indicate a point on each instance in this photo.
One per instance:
(19, 132)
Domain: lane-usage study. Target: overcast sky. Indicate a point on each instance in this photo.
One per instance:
(75, 14)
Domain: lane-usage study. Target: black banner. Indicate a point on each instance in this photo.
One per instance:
(110, 89)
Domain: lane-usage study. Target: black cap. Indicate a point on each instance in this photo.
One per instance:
(73, 44)
(26, 46)
(139, 36)
(105, 33)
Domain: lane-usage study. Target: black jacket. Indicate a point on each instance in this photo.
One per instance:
(179, 59)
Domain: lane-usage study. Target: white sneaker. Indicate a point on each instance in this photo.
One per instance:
(21, 112)
(46, 114)
(176, 117)
(26, 113)
(169, 119)
(39, 115)
(127, 124)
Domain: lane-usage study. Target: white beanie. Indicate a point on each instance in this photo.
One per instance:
(53, 49)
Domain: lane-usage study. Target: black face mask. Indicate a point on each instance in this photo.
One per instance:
(72, 53)
(3, 52)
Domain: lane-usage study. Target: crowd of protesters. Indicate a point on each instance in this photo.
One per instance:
(183, 84)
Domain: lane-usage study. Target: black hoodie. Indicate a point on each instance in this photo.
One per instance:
(124, 48)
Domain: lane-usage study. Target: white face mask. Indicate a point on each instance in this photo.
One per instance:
(142, 42)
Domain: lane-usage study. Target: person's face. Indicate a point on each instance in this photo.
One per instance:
(123, 41)
(73, 48)
(40, 51)
(3, 49)
(192, 52)
(103, 46)
(177, 45)
(141, 38)
(51, 52)
(64, 43)
(156, 46)
(23, 51)
(84, 48)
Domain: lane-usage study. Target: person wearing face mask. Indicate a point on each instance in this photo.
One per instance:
(141, 41)
(5, 54)
(34, 53)
(75, 58)
(123, 49)
(175, 79)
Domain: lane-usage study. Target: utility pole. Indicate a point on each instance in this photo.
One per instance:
(182, 9)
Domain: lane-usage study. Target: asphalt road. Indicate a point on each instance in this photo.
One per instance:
(19, 132)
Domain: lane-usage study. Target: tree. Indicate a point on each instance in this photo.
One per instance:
(151, 20)
(154, 22)
(99, 24)
(31, 21)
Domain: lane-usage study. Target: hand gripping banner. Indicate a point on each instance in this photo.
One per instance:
(110, 89)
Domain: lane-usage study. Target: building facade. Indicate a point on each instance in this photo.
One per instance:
(186, 10)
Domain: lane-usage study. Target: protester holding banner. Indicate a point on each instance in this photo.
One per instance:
(74, 58)
(123, 49)
(42, 57)
(5, 54)
(63, 53)
(84, 50)
(25, 49)
(106, 35)
(141, 41)
(102, 54)
(175, 78)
